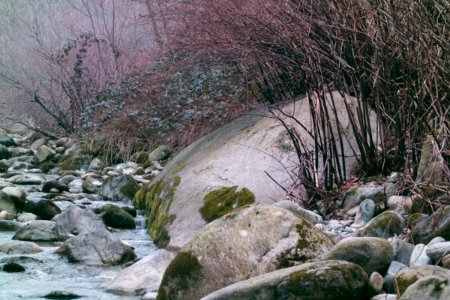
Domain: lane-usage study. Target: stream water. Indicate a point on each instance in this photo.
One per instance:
(48, 272)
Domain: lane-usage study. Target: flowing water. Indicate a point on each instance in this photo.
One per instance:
(47, 272)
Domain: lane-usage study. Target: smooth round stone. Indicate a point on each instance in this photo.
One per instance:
(13, 268)
(419, 256)
(446, 261)
(438, 250)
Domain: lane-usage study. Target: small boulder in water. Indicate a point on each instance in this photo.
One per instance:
(116, 217)
(45, 209)
(53, 184)
(61, 295)
(13, 268)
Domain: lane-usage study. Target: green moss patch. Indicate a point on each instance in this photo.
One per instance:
(220, 202)
(156, 200)
(183, 269)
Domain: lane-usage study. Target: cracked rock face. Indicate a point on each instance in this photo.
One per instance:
(247, 242)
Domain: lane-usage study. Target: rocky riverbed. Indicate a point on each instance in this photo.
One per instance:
(66, 233)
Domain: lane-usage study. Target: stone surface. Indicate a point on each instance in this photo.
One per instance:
(437, 251)
(312, 281)
(7, 141)
(365, 212)
(429, 288)
(385, 225)
(53, 184)
(18, 195)
(244, 243)
(143, 276)
(160, 153)
(19, 247)
(300, 211)
(97, 248)
(7, 203)
(39, 231)
(402, 250)
(375, 285)
(4, 152)
(406, 277)
(438, 224)
(372, 254)
(76, 220)
(119, 188)
(389, 277)
(419, 256)
(116, 217)
(26, 179)
(446, 261)
(356, 195)
(227, 157)
(43, 154)
(44, 209)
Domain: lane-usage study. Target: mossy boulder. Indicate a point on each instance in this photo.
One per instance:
(221, 201)
(241, 154)
(3, 166)
(438, 224)
(249, 241)
(77, 157)
(372, 254)
(43, 153)
(407, 277)
(158, 211)
(430, 288)
(119, 188)
(325, 280)
(385, 225)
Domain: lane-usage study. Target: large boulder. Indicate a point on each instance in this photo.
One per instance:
(247, 242)
(143, 276)
(76, 220)
(7, 203)
(238, 154)
(119, 188)
(324, 280)
(44, 209)
(97, 248)
(438, 224)
(385, 225)
(372, 254)
(39, 230)
(407, 277)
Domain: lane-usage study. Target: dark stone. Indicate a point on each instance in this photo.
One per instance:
(438, 224)
(4, 152)
(6, 140)
(62, 295)
(116, 217)
(53, 184)
(13, 268)
(131, 210)
(44, 209)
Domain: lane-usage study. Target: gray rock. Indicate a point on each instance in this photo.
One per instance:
(300, 211)
(76, 186)
(95, 165)
(38, 143)
(43, 154)
(19, 247)
(396, 202)
(438, 224)
(365, 213)
(437, 239)
(407, 277)
(7, 203)
(430, 288)
(76, 220)
(119, 188)
(246, 242)
(402, 250)
(355, 196)
(116, 217)
(336, 280)
(160, 153)
(384, 297)
(39, 231)
(143, 276)
(128, 168)
(392, 271)
(7, 225)
(372, 254)
(4, 215)
(438, 250)
(53, 184)
(26, 179)
(375, 285)
(97, 248)
(384, 225)
(419, 256)
(26, 217)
